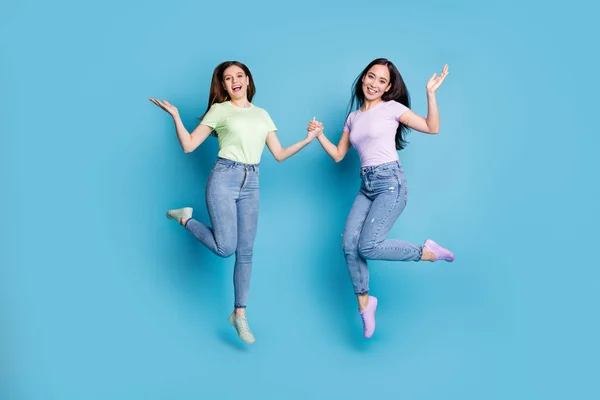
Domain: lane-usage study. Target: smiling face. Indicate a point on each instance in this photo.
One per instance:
(235, 82)
(376, 82)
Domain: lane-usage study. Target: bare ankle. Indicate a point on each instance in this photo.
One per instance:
(240, 312)
(183, 221)
(427, 255)
(363, 301)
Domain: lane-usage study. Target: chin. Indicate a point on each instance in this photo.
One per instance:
(235, 95)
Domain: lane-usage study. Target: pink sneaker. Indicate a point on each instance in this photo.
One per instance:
(368, 317)
(438, 251)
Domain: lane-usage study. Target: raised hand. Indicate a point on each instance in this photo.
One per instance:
(165, 105)
(435, 81)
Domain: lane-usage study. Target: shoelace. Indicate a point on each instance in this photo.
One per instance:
(243, 325)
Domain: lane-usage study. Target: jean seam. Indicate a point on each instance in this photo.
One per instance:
(357, 235)
(213, 216)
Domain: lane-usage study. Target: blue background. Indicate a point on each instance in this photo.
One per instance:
(103, 298)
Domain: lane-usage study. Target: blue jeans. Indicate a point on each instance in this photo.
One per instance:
(232, 199)
(378, 204)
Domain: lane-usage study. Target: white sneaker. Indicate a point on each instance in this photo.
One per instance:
(241, 326)
(179, 213)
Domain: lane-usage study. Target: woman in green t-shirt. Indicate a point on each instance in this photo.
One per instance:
(232, 194)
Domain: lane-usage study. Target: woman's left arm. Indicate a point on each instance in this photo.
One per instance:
(431, 124)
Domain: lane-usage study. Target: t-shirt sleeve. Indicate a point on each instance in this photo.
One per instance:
(270, 124)
(213, 117)
(348, 123)
(398, 109)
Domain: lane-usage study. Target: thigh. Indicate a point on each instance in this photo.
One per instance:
(355, 221)
(388, 203)
(247, 212)
(221, 198)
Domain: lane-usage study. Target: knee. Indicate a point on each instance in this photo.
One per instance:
(244, 255)
(226, 250)
(365, 248)
(350, 244)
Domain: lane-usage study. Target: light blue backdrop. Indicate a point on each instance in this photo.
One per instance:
(103, 298)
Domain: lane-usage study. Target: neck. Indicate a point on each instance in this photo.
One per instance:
(370, 103)
(242, 103)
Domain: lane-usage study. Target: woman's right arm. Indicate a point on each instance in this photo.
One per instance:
(189, 142)
(337, 153)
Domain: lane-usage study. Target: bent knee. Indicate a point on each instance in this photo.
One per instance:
(226, 250)
(366, 248)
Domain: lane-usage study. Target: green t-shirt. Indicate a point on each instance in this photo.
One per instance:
(242, 132)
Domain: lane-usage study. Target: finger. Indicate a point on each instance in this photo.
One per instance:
(157, 103)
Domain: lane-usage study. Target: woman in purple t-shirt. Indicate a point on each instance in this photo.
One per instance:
(376, 128)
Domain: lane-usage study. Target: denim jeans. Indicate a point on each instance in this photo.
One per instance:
(232, 199)
(378, 204)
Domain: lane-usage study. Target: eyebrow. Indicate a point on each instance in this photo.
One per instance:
(225, 76)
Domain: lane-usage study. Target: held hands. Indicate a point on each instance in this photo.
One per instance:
(314, 129)
(435, 81)
(165, 105)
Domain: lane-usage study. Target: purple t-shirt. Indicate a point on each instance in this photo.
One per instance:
(373, 132)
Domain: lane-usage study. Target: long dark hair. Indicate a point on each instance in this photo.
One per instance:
(218, 94)
(397, 92)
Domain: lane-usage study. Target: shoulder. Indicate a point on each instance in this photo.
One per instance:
(394, 105)
(352, 115)
(217, 107)
(395, 109)
(349, 121)
(260, 111)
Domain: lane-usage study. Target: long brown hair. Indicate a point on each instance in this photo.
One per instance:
(218, 94)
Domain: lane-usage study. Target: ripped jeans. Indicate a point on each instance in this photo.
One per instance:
(378, 204)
